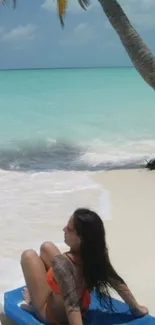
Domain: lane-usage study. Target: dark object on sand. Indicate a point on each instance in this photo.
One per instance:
(150, 164)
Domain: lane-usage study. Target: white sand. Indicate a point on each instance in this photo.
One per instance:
(131, 230)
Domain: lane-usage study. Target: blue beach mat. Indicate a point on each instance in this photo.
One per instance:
(95, 315)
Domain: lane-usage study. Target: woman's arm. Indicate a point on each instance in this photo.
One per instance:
(74, 317)
(124, 292)
(64, 275)
(122, 289)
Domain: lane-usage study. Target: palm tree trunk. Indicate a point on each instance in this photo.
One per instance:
(139, 53)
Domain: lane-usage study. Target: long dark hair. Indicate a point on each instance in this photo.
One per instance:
(98, 272)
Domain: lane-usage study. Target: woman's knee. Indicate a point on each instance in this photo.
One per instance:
(48, 250)
(28, 255)
(47, 247)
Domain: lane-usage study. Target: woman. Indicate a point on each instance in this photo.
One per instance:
(59, 285)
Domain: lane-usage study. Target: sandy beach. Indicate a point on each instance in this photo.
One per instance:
(130, 232)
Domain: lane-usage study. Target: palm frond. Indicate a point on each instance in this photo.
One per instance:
(84, 3)
(62, 6)
(3, 2)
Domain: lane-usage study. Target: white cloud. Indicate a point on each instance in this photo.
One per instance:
(20, 34)
(81, 28)
(49, 5)
(148, 4)
(143, 20)
(84, 32)
(81, 35)
(142, 4)
(72, 5)
(141, 13)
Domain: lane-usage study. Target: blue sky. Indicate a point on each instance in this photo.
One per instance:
(31, 36)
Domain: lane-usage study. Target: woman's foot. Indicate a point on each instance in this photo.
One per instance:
(26, 296)
(26, 304)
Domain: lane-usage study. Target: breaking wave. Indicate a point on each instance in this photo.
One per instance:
(52, 155)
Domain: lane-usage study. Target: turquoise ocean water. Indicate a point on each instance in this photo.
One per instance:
(56, 127)
(75, 119)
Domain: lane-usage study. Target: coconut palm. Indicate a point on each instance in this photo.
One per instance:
(139, 53)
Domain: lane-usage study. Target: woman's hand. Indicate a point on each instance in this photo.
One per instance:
(140, 311)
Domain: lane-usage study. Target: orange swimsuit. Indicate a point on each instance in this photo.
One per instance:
(85, 299)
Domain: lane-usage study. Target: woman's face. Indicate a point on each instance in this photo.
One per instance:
(70, 236)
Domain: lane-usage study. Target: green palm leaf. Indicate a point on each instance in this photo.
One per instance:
(62, 6)
(5, 1)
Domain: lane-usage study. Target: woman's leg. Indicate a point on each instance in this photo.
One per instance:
(47, 251)
(35, 277)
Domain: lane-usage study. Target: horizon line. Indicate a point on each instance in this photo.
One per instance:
(66, 68)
